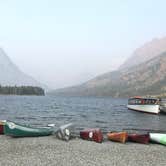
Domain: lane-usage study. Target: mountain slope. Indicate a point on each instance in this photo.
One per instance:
(11, 75)
(142, 79)
(146, 52)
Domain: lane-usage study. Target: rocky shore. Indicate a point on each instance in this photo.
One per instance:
(51, 151)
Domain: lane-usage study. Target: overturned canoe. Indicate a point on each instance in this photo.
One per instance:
(94, 134)
(65, 132)
(118, 136)
(2, 123)
(17, 130)
(158, 137)
(139, 138)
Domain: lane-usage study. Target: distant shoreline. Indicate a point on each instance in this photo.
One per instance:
(22, 90)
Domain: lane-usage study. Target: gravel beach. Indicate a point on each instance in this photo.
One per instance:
(51, 151)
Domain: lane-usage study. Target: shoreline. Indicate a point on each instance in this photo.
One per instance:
(51, 151)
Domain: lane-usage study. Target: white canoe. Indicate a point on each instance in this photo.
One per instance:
(158, 137)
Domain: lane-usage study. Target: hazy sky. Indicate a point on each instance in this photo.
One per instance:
(66, 42)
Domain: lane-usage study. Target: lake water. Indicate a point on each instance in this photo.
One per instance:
(105, 113)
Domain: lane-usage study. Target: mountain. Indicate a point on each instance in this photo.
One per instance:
(143, 78)
(11, 75)
(148, 51)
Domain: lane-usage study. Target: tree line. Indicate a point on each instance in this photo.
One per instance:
(21, 90)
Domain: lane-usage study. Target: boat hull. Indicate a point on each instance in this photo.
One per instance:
(17, 130)
(1, 129)
(118, 136)
(153, 109)
(139, 138)
(158, 137)
(92, 135)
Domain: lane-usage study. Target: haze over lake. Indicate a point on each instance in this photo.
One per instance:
(64, 43)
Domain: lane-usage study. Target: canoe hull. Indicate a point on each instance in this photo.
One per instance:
(17, 130)
(2, 123)
(65, 132)
(118, 136)
(92, 135)
(158, 137)
(1, 129)
(139, 138)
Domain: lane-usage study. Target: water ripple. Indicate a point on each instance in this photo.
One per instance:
(105, 113)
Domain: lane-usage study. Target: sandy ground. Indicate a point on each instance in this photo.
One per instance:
(51, 151)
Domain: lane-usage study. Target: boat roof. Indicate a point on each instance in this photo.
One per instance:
(141, 97)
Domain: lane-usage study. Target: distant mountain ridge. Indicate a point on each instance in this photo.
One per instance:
(145, 77)
(11, 75)
(146, 52)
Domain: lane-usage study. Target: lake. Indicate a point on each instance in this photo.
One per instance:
(103, 112)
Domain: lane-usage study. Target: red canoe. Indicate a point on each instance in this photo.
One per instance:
(92, 135)
(139, 138)
(118, 136)
(2, 123)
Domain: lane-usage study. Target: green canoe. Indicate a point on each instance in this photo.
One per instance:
(17, 130)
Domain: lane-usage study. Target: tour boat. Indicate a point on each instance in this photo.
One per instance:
(139, 138)
(17, 130)
(2, 123)
(118, 136)
(158, 137)
(144, 104)
(93, 134)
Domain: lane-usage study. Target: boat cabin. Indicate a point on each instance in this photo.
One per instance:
(143, 101)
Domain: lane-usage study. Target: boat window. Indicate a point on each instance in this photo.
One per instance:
(142, 101)
(138, 101)
(153, 101)
(131, 101)
(156, 101)
(135, 101)
(147, 101)
(150, 101)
